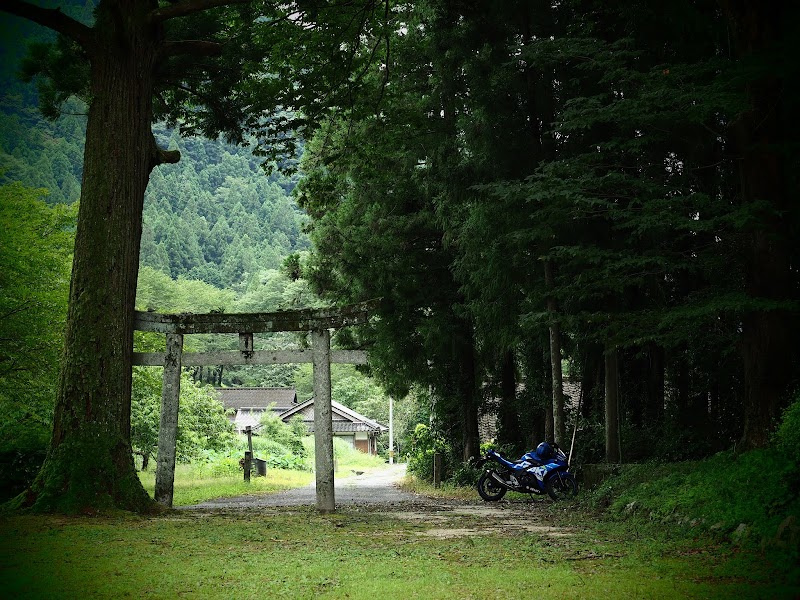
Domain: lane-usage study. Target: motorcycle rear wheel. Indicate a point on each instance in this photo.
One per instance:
(489, 489)
(561, 486)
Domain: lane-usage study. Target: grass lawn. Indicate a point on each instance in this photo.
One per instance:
(456, 551)
(194, 484)
(191, 488)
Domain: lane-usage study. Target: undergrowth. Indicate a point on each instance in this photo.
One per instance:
(747, 499)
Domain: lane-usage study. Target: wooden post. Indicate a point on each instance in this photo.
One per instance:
(323, 423)
(437, 469)
(249, 431)
(248, 461)
(168, 428)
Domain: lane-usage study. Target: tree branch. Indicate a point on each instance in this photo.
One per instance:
(161, 156)
(52, 18)
(191, 47)
(168, 156)
(188, 7)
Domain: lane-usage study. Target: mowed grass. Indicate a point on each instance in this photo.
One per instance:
(359, 553)
(193, 484)
(192, 488)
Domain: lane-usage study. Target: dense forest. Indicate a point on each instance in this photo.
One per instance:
(587, 190)
(538, 192)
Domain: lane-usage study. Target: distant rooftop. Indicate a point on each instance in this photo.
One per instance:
(244, 397)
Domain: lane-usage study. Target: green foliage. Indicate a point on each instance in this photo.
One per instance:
(35, 254)
(40, 153)
(157, 291)
(227, 462)
(787, 437)
(719, 493)
(465, 475)
(498, 146)
(202, 423)
(216, 217)
(19, 464)
(424, 444)
(268, 291)
(288, 435)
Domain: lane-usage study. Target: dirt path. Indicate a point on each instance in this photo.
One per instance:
(376, 487)
(377, 491)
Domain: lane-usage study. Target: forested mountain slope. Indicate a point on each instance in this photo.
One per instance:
(214, 216)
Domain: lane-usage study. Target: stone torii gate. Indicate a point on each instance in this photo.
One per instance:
(317, 321)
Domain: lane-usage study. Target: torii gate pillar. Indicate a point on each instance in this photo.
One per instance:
(323, 425)
(318, 321)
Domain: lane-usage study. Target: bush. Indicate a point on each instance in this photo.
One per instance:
(424, 444)
(466, 475)
(787, 437)
(290, 435)
(223, 466)
(202, 423)
(718, 493)
(277, 454)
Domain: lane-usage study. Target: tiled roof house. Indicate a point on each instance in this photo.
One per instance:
(247, 405)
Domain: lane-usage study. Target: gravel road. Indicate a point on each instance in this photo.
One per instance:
(375, 487)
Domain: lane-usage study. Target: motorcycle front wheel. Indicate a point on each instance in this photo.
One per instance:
(561, 486)
(489, 489)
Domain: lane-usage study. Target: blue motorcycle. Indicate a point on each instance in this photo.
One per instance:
(544, 470)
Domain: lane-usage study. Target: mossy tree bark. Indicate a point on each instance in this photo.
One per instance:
(90, 462)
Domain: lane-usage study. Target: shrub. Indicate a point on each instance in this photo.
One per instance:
(787, 437)
(290, 435)
(424, 444)
(466, 475)
(277, 454)
(722, 492)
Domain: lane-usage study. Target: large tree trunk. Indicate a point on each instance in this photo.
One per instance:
(510, 426)
(90, 463)
(469, 411)
(559, 427)
(756, 28)
(654, 410)
(613, 452)
(549, 433)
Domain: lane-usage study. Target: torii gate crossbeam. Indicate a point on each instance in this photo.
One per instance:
(317, 321)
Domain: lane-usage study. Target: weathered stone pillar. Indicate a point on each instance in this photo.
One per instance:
(168, 429)
(323, 420)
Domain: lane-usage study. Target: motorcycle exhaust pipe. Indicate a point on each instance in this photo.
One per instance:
(499, 479)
